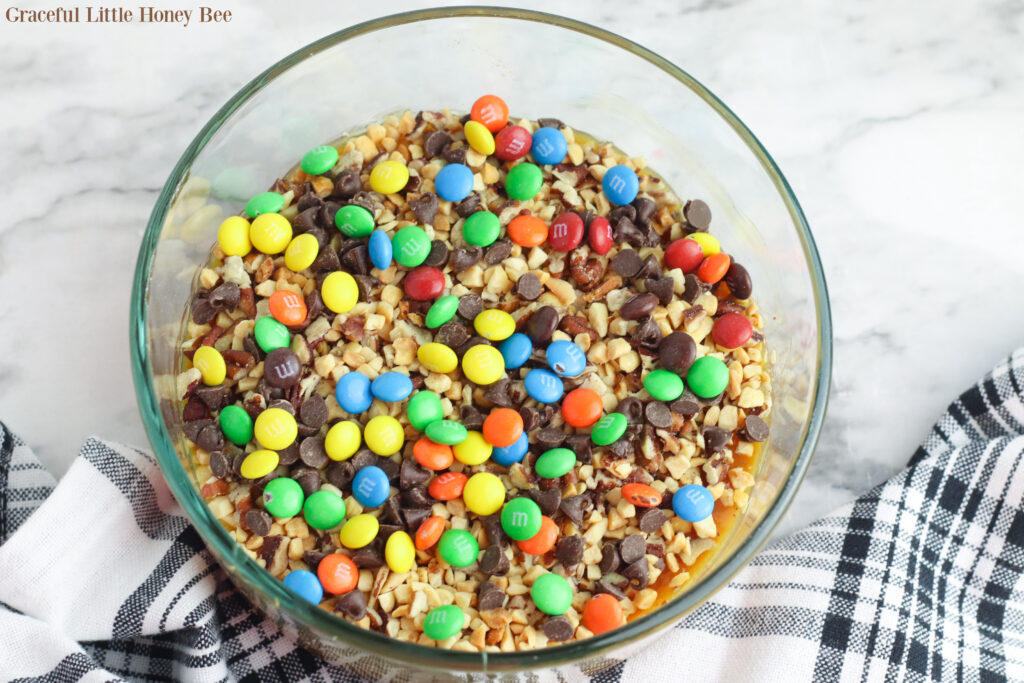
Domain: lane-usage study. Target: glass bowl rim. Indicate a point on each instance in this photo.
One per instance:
(410, 653)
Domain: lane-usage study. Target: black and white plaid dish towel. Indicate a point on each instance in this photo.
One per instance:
(102, 578)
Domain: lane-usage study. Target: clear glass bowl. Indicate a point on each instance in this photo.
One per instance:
(543, 65)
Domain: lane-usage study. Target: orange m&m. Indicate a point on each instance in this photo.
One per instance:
(582, 407)
(602, 613)
(338, 573)
(429, 532)
(491, 111)
(528, 231)
(714, 268)
(447, 486)
(432, 455)
(503, 427)
(641, 495)
(287, 307)
(543, 540)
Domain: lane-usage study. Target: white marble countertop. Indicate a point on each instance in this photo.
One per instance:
(898, 125)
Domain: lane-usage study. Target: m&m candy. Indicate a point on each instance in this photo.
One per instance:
(270, 334)
(424, 283)
(551, 593)
(301, 252)
(707, 377)
(371, 487)
(399, 552)
(554, 463)
(663, 385)
(543, 540)
(566, 232)
(491, 111)
(339, 292)
(609, 429)
(709, 245)
(391, 387)
(319, 160)
(473, 450)
(458, 548)
(429, 532)
(305, 583)
(483, 364)
(444, 622)
(265, 202)
(494, 324)
(343, 440)
(287, 307)
(481, 228)
(354, 221)
(454, 182)
(714, 267)
(509, 455)
(446, 432)
(353, 393)
(512, 143)
(527, 231)
(566, 358)
(384, 435)
(641, 495)
(441, 311)
(516, 350)
(437, 357)
(732, 330)
(432, 455)
(602, 613)
(523, 181)
(411, 246)
(338, 573)
(270, 233)
(543, 385)
(549, 146)
(283, 497)
(236, 424)
(324, 510)
(275, 428)
(685, 254)
(389, 177)
(359, 531)
(483, 494)
(447, 486)
(259, 464)
(479, 137)
(521, 519)
(380, 249)
(600, 235)
(620, 184)
(424, 408)
(582, 407)
(210, 364)
(233, 236)
(693, 503)
(503, 427)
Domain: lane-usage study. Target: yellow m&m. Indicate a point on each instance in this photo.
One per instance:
(301, 252)
(437, 357)
(389, 177)
(339, 292)
(494, 325)
(483, 364)
(343, 440)
(479, 138)
(384, 435)
(400, 553)
(484, 493)
(259, 464)
(210, 364)
(708, 243)
(359, 531)
(473, 450)
(275, 428)
(233, 236)
(270, 233)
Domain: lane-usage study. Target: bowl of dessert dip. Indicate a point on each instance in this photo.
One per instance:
(479, 340)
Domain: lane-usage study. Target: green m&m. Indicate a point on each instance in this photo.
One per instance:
(555, 462)
(521, 519)
(283, 497)
(236, 424)
(481, 228)
(424, 408)
(271, 334)
(354, 221)
(265, 202)
(608, 429)
(319, 160)
(458, 547)
(411, 246)
(552, 594)
(664, 385)
(444, 622)
(524, 181)
(707, 377)
(324, 510)
(441, 311)
(446, 432)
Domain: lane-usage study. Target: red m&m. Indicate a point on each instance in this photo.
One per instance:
(424, 283)
(684, 254)
(512, 143)
(732, 330)
(566, 232)
(599, 234)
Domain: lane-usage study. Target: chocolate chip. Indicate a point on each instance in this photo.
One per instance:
(651, 520)
(550, 437)
(195, 410)
(548, 500)
(455, 155)
(692, 289)
(308, 479)
(650, 268)
(325, 217)
(412, 473)
(271, 546)
(550, 123)
(313, 411)
(470, 306)
(309, 199)
(638, 306)
(414, 517)
(658, 414)
(573, 507)
(312, 451)
(391, 512)
(452, 334)
(468, 206)
(604, 586)
(438, 255)
(647, 335)
(364, 457)
(645, 208)
(632, 548)
(638, 573)
(312, 558)
(715, 439)
(627, 263)
(369, 557)
(609, 558)
(697, 214)
(737, 278)
(225, 296)
(385, 530)
(425, 208)
(435, 142)
(282, 404)
(203, 312)
(357, 260)
(470, 417)
(352, 605)
(475, 340)
(582, 446)
(465, 258)
(497, 252)
(495, 532)
(416, 497)
(494, 562)
(626, 232)
(347, 184)
(326, 261)
(489, 596)
(626, 211)
(258, 521)
(210, 438)
(307, 219)
(558, 629)
(529, 287)
(314, 306)
(236, 464)
(213, 398)
(632, 408)
(389, 467)
(498, 394)
(686, 406)
(289, 455)
(677, 352)
(250, 345)
(663, 288)
(220, 464)
(340, 474)
(754, 429)
(542, 324)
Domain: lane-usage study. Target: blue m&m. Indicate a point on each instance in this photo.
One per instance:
(371, 486)
(516, 350)
(353, 392)
(381, 251)
(305, 584)
(509, 455)
(392, 387)
(543, 385)
(620, 184)
(549, 146)
(454, 182)
(566, 358)
(693, 503)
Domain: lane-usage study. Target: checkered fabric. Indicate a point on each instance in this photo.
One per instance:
(918, 579)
